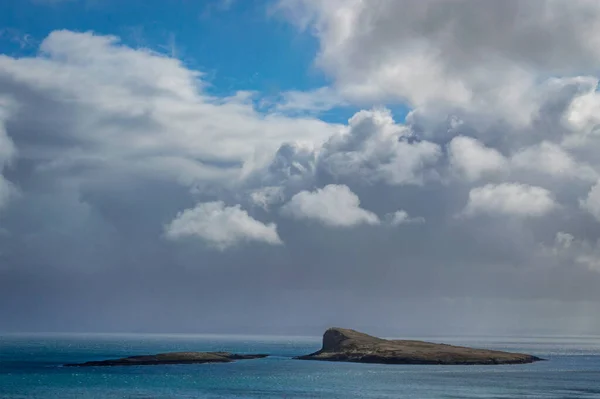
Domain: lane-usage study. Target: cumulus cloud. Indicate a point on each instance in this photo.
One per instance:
(465, 53)
(582, 112)
(221, 226)
(550, 158)
(375, 148)
(172, 129)
(471, 160)
(333, 205)
(510, 199)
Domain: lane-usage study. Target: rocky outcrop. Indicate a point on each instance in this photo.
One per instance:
(344, 345)
(170, 358)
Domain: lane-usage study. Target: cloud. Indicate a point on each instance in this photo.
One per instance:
(471, 160)
(568, 249)
(591, 202)
(436, 51)
(402, 217)
(564, 240)
(8, 153)
(321, 99)
(7, 192)
(582, 112)
(333, 205)
(221, 226)
(23, 40)
(113, 149)
(551, 159)
(375, 148)
(510, 199)
(267, 196)
(139, 108)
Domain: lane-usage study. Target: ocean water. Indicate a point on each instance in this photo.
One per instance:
(30, 367)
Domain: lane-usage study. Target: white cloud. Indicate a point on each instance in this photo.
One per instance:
(467, 53)
(375, 148)
(549, 158)
(137, 111)
(471, 160)
(402, 217)
(221, 226)
(582, 113)
(592, 202)
(509, 199)
(333, 205)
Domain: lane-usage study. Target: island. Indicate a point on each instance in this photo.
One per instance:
(345, 345)
(170, 358)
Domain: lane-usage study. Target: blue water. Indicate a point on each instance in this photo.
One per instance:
(30, 367)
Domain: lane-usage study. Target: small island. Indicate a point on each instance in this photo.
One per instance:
(170, 358)
(345, 345)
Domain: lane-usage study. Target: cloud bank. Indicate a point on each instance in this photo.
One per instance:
(202, 213)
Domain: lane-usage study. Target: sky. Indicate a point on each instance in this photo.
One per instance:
(402, 167)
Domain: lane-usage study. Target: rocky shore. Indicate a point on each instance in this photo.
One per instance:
(344, 345)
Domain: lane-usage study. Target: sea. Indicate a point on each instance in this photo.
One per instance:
(31, 367)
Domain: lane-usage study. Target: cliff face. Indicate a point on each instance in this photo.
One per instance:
(337, 339)
(345, 345)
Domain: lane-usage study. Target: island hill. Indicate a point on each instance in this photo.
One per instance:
(344, 345)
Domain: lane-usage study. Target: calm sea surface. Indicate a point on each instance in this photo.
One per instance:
(30, 367)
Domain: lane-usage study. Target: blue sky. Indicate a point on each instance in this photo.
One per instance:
(237, 45)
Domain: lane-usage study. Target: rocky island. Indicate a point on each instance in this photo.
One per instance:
(344, 345)
(170, 358)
